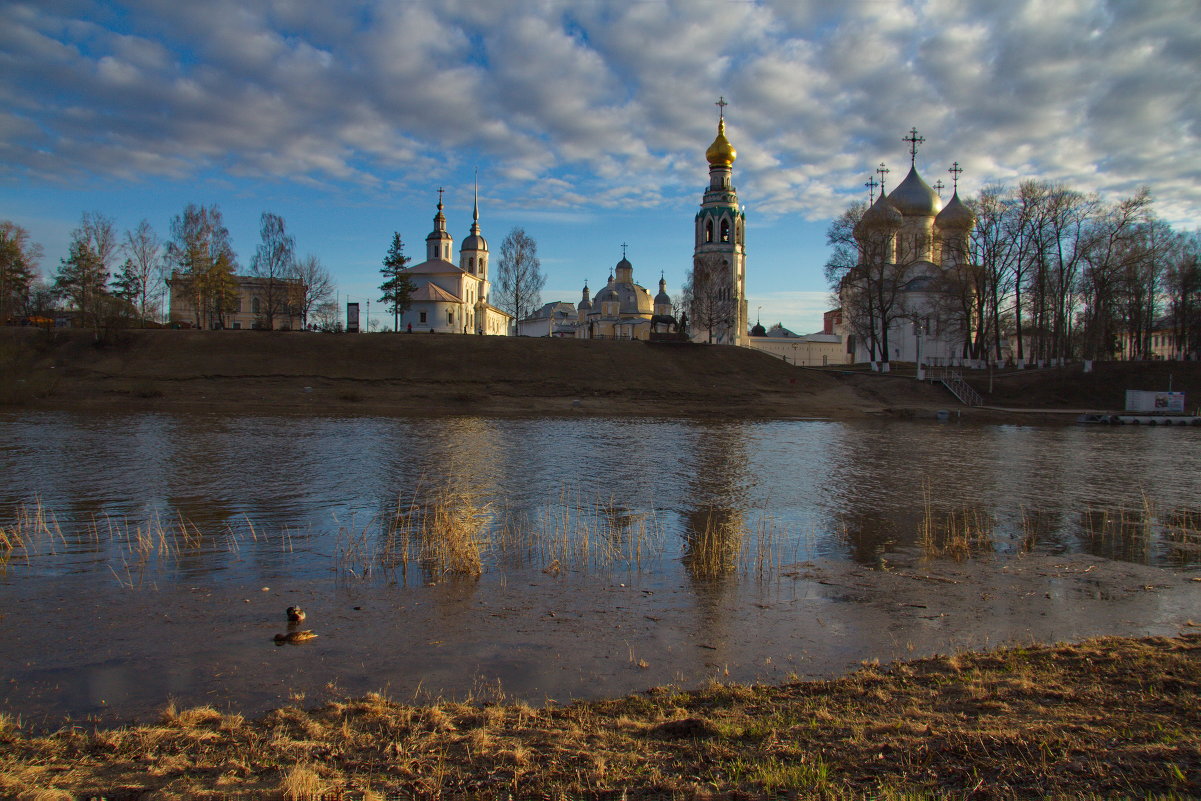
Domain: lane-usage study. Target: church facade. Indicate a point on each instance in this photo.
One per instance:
(910, 250)
(449, 298)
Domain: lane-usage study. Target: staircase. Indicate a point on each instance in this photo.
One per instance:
(954, 382)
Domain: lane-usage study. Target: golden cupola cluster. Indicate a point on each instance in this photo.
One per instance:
(721, 153)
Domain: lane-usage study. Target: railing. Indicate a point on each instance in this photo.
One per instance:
(954, 382)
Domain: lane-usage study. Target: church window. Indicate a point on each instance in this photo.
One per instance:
(255, 305)
(725, 230)
(470, 264)
(450, 317)
(422, 317)
(709, 231)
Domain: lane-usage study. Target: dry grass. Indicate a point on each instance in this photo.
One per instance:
(1104, 718)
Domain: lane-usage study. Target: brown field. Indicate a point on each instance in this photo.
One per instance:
(416, 374)
(1105, 718)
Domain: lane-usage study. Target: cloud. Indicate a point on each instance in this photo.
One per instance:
(609, 99)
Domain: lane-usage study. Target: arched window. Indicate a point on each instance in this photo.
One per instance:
(255, 306)
(709, 231)
(725, 230)
(471, 264)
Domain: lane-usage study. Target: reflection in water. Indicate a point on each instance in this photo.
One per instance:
(264, 497)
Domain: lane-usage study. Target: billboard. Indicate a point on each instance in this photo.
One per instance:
(1138, 400)
(352, 318)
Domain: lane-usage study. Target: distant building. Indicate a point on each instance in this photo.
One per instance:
(450, 299)
(556, 319)
(809, 350)
(247, 307)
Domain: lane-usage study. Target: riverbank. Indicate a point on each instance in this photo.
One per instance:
(1106, 717)
(413, 375)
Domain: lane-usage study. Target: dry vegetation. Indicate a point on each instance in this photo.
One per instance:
(1105, 718)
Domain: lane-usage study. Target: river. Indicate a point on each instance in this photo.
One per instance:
(160, 551)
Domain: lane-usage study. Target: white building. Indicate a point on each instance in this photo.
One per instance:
(910, 249)
(452, 299)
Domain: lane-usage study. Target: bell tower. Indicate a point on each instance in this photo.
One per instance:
(719, 305)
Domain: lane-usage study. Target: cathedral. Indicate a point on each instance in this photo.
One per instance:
(453, 299)
(910, 249)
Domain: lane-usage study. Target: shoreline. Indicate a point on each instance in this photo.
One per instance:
(1105, 716)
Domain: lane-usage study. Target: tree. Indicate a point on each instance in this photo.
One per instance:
(204, 264)
(19, 259)
(397, 286)
(83, 274)
(710, 297)
(310, 287)
(519, 277)
(272, 263)
(140, 280)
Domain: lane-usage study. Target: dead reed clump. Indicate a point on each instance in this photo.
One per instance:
(302, 783)
(453, 529)
(957, 534)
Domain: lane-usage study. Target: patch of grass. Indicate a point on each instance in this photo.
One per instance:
(1080, 721)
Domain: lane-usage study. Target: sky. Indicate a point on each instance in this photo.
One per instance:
(585, 120)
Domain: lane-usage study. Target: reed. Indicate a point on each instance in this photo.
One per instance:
(957, 534)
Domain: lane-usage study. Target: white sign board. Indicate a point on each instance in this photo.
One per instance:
(1163, 402)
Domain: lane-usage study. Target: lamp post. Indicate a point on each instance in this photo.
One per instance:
(920, 332)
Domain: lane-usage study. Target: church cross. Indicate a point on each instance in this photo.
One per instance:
(721, 106)
(882, 171)
(938, 186)
(440, 191)
(914, 140)
(623, 250)
(871, 189)
(955, 170)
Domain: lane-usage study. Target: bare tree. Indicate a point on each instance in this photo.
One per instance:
(519, 277)
(310, 287)
(140, 280)
(272, 264)
(711, 306)
(1111, 245)
(19, 257)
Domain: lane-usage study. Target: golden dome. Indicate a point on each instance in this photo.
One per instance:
(721, 153)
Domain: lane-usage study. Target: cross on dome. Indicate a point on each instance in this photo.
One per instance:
(914, 140)
(721, 107)
(623, 250)
(882, 171)
(955, 170)
(938, 186)
(440, 191)
(871, 189)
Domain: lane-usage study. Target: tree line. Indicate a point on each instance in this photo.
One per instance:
(109, 279)
(1051, 274)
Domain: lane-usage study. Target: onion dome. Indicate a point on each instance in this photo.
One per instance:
(721, 153)
(585, 300)
(662, 299)
(914, 197)
(882, 216)
(757, 330)
(955, 217)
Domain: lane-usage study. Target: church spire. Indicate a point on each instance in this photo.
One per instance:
(439, 243)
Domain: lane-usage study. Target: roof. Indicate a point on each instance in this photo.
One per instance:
(434, 292)
(433, 267)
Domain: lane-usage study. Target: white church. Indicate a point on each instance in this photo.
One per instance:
(449, 298)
